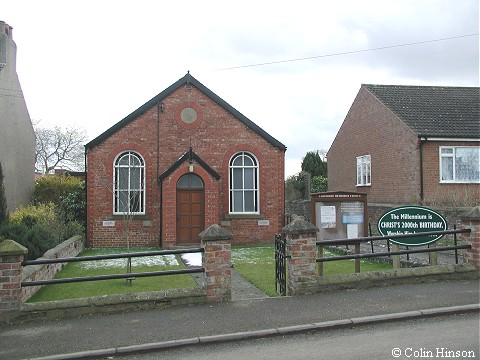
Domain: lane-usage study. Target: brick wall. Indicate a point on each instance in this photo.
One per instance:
(443, 194)
(371, 129)
(161, 137)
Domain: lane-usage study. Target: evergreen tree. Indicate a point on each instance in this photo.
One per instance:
(314, 164)
(3, 200)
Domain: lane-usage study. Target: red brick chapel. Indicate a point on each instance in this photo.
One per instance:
(181, 162)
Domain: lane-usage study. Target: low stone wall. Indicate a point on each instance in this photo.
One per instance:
(69, 248)
(300, 208)
(111, 304)
(396, 276)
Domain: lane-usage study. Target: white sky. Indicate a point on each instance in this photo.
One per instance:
(90, 63)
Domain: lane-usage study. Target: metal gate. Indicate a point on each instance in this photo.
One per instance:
(280, 265)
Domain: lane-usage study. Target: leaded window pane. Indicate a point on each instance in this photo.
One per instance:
(135, 178)
(447, 168)
(460, 164)
(243, 184)
(249, 201)
(237, 161)
(129, 190)
(134, 161)
(364, 170)
(467, 164)
(238, 178)
(238, 201)
(123, 178)
(249, 179)
(122, 201)
(124, 160)
(247, 161)
(135, 199)
(196, 181)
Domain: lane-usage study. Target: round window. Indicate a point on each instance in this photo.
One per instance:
(188, 115)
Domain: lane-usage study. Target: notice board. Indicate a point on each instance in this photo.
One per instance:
(340, 215)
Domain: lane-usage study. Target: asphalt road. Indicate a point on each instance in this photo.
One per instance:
(429, 338)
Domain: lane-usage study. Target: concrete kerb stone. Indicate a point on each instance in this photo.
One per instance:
(238, 336)
(451, 310)
(386, 317)
(157, 346)
(91, 354)
(257, 334)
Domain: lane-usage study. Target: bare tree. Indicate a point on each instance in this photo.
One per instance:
(125, 204)
(59, 148)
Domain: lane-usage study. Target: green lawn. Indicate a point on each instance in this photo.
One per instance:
(257, 265)
(117, 286)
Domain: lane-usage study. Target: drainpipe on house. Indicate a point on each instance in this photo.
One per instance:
(86, 199)
(160, 108)
(423, 140)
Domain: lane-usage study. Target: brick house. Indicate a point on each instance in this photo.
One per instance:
(410, 145)
(181, 162)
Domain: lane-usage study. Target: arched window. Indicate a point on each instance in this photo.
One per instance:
(243, 184)
(129, 184)
(190, 181)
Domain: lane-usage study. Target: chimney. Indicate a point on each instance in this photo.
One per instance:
(6, 29)
(5, 39)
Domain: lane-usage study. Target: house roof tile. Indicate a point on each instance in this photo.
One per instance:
(435, 111)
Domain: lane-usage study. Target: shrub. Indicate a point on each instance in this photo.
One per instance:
(319, 184)
(37, 239)
(73, 204)
(56, 215)
(52, 188)
(33, 214)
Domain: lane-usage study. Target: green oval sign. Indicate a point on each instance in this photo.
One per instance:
(412, 220)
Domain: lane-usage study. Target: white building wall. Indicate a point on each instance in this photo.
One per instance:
(17, 138)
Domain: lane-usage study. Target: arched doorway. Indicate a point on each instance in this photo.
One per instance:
(190, 209)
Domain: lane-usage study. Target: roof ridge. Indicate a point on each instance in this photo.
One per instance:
(187, 79)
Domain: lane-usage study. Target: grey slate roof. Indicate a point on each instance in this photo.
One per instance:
(435, 111)
(187, 79)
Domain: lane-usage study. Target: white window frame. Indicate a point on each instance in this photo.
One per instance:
(450, 152)
(236, 190)
(129, 188)
(364, 170)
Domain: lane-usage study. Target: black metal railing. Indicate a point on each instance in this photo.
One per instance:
(357, 241)
(280, 265)
(128, 275)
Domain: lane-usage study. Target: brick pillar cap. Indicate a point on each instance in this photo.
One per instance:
(10, 247)
(472, 214)
(215, 232)
(300, 226)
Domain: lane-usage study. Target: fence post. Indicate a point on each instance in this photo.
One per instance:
(396, 258)
(301, 248)
(216, 259)
(471, 220)
(11, 257)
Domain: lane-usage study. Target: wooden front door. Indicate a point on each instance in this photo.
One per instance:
(190, 209)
